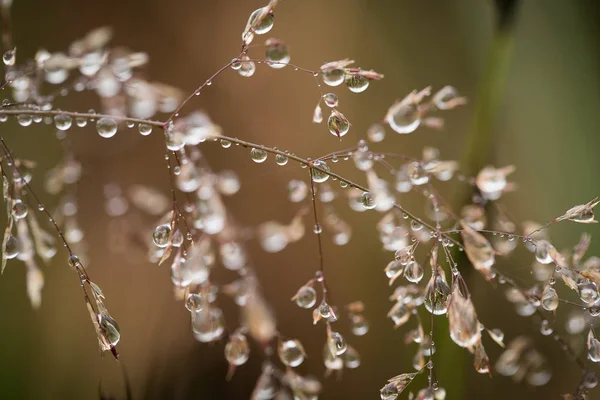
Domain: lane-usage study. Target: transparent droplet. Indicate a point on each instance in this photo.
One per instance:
(357, 83)
(265, 25)
(236, 64)
(24, 119)
(404, 118)
(417, 174)
(80, 121)
(389, 392)
(162, 235)
(317, 229)
(225, 143)
(145, 129)
(9, 57)
(359, 325)
(318, 175)
(542, 252)
(110, 329)
(393, 268)
(62, 122)
(437, 294)
(237, 350)
(330, 99)
(333, 77)
(19, 209)
(193, 302)
(276, 53)
(291, 352)
(306, 297)
(338, 343)
(414, 272)
(338, 124)
(280, 159)
(549, 298)
(258, 155)
(247, 69)
(106, 127)
(367, 201)
(11, 247)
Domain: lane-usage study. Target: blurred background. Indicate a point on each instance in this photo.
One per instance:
(540, 115)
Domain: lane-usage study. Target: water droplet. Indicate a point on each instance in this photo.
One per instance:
(404, 118)
(367, 201)
(106, 127)
(237, 350)
(280, 159)
(417, 174)
(317, 229)
(236, 64)
(258, 155)
(357, 83)
(291, 352)
(110, 329)
(437, 293)
(247, 69)
(145, 129)
(276, 53)
(414, 272)
(389, 392)
(318, 175)
(63, 122)
(549, 299)
(330, 99)
(19, 209)
(162, 235)
(333, 77)
(81, 122)
(306, 297)
(338, 124)
(24, 119)
(11, 247)
(9, 57)
(225, 143)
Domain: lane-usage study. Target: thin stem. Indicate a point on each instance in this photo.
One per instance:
(317, 225)
(28, 111)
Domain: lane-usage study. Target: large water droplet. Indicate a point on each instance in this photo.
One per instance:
(258, 155)
(333, 77)
(62, 122)
(106, 127)
(357, 83)
(338, 124)
(161, 235)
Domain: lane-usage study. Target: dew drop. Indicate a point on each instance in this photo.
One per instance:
(106, 127)
(62, 122)
(258, 155)
(145, 129)
(338, 124)
(162, 235)
(80, 121)
(306, 297)
(24, 119)
(333, 77)
(357, 83)
(280, 159)
(318, 175)
(330, 99)
(225, 143)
